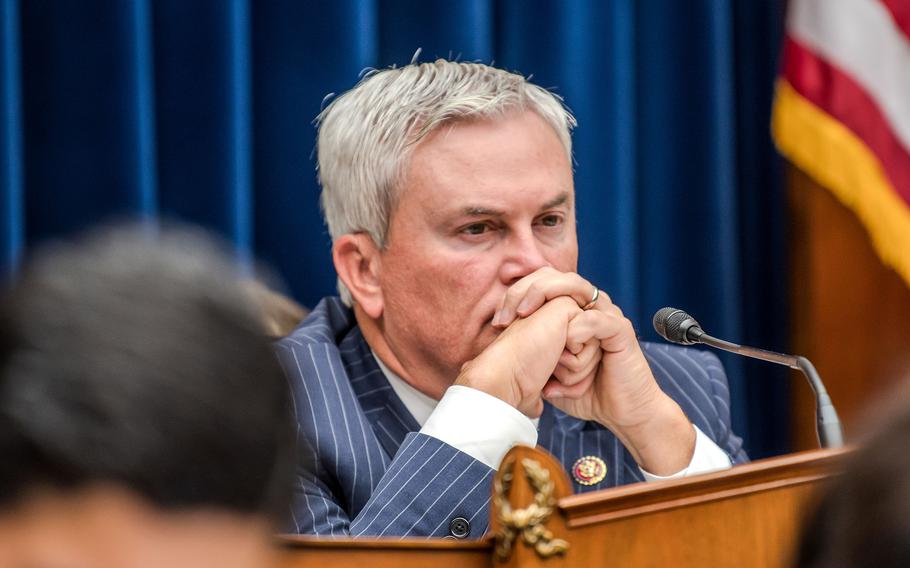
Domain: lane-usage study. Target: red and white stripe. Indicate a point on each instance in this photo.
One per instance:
(851, 58)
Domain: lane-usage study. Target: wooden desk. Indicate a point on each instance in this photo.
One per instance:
(747, 516)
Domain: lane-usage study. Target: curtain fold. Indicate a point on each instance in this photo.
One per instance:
(301, 55)
(12, 232)
(688, 198)
(204, 115)
(204, 111)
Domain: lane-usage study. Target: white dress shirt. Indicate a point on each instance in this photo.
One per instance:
(497, 426)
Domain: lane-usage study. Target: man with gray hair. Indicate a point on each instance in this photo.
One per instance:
(462, 327)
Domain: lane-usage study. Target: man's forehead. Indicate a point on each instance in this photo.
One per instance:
(496, 166)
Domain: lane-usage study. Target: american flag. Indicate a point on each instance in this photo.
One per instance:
(842, 111)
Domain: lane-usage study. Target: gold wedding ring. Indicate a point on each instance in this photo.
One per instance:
(593, 301)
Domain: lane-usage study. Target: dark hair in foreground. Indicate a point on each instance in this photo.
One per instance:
(138, 361)
(862, 517)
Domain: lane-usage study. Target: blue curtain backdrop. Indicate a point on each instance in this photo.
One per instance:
(203, 110)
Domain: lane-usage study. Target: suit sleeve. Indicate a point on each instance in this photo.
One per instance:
(720, 394)
(345, 483)
(427, 484)
(696, 380)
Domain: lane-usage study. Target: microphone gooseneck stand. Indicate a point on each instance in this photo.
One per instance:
(828, 424)
(676, 326)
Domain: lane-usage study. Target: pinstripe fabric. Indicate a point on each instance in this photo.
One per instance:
(364, 469)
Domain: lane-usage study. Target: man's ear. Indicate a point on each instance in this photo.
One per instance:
(358, 263)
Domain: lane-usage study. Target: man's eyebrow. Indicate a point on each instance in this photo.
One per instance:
(476, 211)
(471, 211)
(560, 199)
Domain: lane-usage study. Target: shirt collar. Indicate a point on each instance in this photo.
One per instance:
(418, 404)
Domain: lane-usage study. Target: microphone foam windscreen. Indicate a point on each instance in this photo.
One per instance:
(668, 322)
(660, 320)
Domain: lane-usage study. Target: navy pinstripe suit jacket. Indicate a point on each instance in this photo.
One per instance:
(364, 469)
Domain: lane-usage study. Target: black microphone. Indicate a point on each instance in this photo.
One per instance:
(676, 326)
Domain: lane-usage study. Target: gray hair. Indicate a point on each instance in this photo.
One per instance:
(366, 135)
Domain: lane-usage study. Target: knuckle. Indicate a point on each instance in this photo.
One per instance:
(598, 316)
(513, 294)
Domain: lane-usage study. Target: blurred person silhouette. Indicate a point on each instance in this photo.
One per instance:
(144, 419)
(861, 519)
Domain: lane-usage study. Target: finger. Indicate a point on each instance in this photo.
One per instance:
(573, 367)
(577, 361)
(552, 386)
(555, 389)
(582, 329)
(528, 294)
(507, 310)
(570, 360)
(578, 390)
(610, 328)
(591, 357)
(568, 376)
(549, 285)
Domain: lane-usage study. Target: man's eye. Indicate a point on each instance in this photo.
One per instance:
(550, 220)
(476, 229)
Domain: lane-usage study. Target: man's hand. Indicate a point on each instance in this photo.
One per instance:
(618, 391)
(517, 365)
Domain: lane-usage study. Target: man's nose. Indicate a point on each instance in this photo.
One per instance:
(523, 256)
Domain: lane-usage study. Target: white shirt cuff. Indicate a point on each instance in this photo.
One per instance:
(479, 424)
(707, 457)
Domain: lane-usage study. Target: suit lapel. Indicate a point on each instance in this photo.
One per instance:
(388, 416)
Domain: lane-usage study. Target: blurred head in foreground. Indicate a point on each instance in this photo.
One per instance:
(861, 519)
(143, 416)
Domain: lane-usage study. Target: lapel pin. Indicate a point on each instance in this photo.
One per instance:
(589, 470)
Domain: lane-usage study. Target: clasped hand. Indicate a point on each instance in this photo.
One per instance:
(588, 363)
